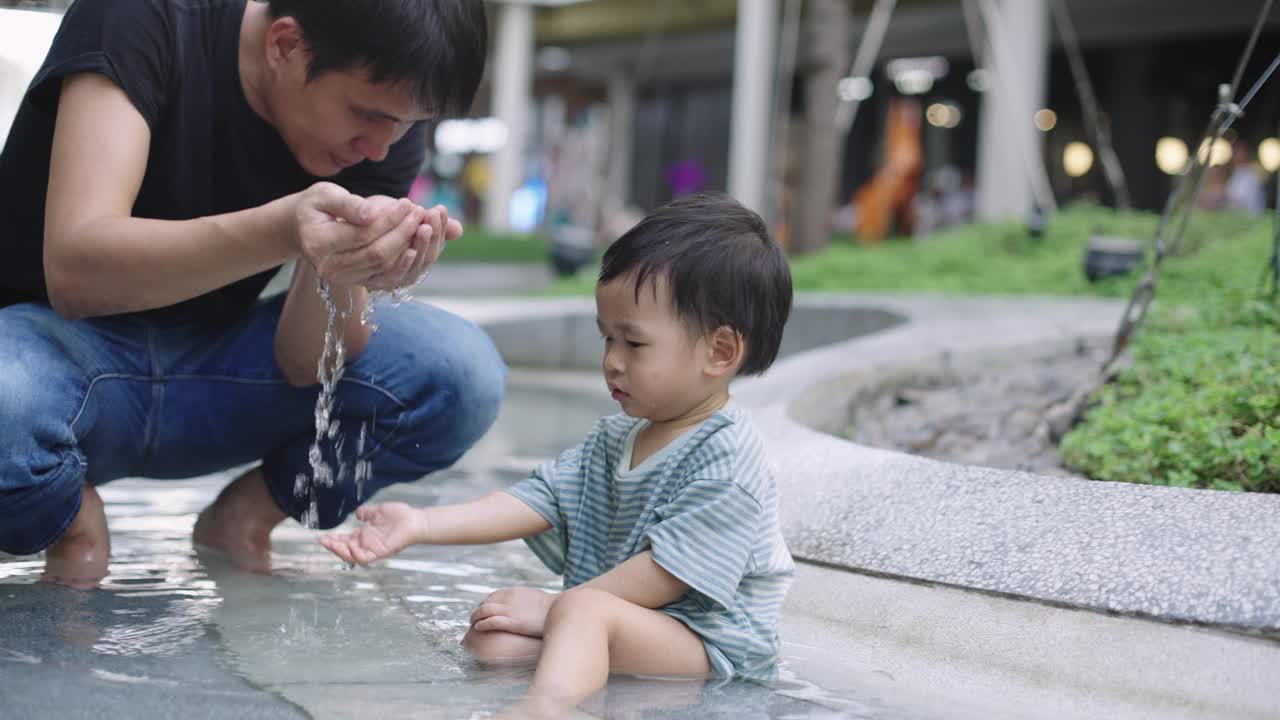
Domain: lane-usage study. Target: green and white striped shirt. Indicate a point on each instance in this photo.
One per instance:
(706, 505)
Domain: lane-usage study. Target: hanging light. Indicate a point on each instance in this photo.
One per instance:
(1077, 158)
(1171, 155)
(943, 115)
(1046, 119)
(854, 89)
(978, 80)
(1269, 154)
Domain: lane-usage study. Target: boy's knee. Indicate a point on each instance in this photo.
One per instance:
(581, 604)
(498, 648)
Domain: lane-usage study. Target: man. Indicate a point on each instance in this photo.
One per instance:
(167, 159)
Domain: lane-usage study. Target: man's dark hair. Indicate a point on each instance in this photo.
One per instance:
(721, 267)
(434, 48)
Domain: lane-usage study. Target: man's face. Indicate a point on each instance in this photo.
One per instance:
(339, 119)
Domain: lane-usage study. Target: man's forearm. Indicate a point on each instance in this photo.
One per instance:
(126, 264)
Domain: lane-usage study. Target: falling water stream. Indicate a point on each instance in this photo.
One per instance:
(328, 463)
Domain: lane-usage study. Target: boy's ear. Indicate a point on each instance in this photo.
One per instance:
(726, 350)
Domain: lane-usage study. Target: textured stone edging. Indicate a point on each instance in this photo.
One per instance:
(1180, 555)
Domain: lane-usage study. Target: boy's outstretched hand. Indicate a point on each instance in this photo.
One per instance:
(389, 528)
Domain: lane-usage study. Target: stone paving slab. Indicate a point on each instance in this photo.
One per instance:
(1181, 555)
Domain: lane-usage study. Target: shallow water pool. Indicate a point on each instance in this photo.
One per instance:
(175, 631)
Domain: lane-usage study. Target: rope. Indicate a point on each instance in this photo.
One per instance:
(1098, 128)
(1182, 199)
(865, 58)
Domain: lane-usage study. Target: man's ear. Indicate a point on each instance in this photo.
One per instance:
(286, 46)
(726, 350)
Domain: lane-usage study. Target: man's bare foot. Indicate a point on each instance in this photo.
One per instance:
(79, 558)
(240, 521)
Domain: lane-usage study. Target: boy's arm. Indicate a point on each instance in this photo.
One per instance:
(496, 517)
(391, 527)
(641, 581)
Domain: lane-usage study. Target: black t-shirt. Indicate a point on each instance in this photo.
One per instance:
(178, 61)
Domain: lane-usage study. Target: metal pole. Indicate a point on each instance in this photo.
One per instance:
(1011, 172)
(512, 80)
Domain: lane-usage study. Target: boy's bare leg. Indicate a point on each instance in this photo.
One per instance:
(496, 648)
(79, 558)
(590, 633)
(240, 521)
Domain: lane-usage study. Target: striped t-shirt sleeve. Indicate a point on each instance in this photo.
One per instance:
(541, 491)
(705, 537)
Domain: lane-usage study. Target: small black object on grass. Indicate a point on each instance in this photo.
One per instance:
(1108, 255)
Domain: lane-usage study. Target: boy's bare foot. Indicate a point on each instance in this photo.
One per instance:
(240, 521)
(79, 558)
(541, 707)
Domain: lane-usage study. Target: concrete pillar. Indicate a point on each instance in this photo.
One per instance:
(512, 82)
(1009, 145)
(622, 110)
(753, 58)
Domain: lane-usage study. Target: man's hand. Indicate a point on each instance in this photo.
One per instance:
(389, 528)
(379, 243)
(436, 231)
(519, 610)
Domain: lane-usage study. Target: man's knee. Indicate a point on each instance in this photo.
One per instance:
(479, 390)
(41, 474)
(31, 423)
(461, 388)
(42, 470)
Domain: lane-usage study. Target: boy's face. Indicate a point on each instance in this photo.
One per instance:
(652, 363)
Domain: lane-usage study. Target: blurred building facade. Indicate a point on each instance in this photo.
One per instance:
(671, 82)
(595, 110)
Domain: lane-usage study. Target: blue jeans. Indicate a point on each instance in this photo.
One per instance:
(100, 399)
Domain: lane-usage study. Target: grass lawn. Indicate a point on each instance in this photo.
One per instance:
(480, 246)
(1004, 259)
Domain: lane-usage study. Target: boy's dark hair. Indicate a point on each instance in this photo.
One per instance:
(434, 48)
(721, 267)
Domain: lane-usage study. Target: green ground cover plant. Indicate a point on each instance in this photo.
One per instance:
(1199, 406)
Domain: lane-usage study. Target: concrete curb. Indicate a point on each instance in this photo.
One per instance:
(1187, 556)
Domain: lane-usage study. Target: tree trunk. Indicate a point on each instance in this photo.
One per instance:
(825, 61)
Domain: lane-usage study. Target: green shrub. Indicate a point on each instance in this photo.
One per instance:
(1200, 406)
(1196, 409)
(1005, 259)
